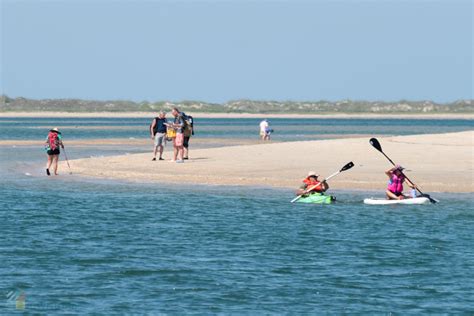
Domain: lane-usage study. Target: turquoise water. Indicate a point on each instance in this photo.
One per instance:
(285, 129)
(121, 248)
(74, 245)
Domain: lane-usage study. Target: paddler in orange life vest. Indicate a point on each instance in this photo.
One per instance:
(395, 183)
(310, 182)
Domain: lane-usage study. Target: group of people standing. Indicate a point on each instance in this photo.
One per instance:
(179, 131)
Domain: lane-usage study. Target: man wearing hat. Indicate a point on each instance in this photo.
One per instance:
(312, 184)
(395, 183)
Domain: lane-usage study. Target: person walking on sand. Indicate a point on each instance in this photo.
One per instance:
(52, 144)
(158, 134)
(178, 125)
(395, 183)
(312, 183)
(263, 128)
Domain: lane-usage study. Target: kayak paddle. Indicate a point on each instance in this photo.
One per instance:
(346, 167)
(375, 143)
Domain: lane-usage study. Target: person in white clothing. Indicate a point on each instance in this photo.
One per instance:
(264, 130)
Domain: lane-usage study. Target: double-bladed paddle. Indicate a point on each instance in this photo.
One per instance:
(375, 143)
(346, 167)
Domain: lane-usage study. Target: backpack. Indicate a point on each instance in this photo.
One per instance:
(188, 123)
(53, 140)
(156, 125)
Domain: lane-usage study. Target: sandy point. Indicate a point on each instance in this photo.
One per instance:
(436, 162)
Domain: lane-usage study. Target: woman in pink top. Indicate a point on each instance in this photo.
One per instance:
(395, 183)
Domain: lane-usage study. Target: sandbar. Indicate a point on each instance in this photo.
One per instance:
(436, 162)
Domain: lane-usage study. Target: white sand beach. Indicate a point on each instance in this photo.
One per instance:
(436, 162)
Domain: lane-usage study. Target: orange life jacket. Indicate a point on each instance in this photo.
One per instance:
(310, 182)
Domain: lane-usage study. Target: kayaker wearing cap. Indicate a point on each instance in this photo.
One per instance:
(395, 183)
(312, 183)
(53, 142)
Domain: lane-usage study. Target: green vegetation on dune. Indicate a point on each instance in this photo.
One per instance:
(238, 106)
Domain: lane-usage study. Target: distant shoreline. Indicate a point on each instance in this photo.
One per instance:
(45, 114)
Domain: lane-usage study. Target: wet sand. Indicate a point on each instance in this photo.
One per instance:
(124, 143)
(437, 163)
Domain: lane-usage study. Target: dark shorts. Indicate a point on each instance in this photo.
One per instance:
(396, 193)
(52, 152)
(186, 141)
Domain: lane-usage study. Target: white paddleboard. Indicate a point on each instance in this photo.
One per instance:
(418, 200)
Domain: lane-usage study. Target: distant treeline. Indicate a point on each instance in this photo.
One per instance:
(239, 106)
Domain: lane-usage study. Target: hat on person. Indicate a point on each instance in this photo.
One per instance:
(312, 174)
(55, 129)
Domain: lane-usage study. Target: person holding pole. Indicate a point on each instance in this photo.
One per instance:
(52, 143)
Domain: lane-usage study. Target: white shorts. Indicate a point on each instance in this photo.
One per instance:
(160, 139)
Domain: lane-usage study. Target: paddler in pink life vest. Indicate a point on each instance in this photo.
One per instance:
(311, 182)
(395, 183)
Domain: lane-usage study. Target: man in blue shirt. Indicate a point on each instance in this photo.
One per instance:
(158, 134)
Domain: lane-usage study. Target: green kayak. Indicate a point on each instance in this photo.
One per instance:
(317, 198)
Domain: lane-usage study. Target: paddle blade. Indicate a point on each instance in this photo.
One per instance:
(432, 200)
(347, 166)
(375, 143)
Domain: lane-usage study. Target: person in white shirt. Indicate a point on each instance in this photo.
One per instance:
(264, 128)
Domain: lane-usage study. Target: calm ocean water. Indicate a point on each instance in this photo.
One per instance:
(285, 129)
(73, 245)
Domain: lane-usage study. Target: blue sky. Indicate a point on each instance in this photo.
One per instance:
(217, 51)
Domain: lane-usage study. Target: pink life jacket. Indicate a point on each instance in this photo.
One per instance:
(53, 140)
(395, 184)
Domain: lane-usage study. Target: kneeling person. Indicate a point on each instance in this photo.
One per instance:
(311, 184)
(395, 183)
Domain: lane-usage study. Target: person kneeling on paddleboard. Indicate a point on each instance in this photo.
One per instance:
(311, 184)
(395, 183)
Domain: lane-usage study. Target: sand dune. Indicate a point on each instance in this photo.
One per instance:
(240, 115)
(437, 163)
